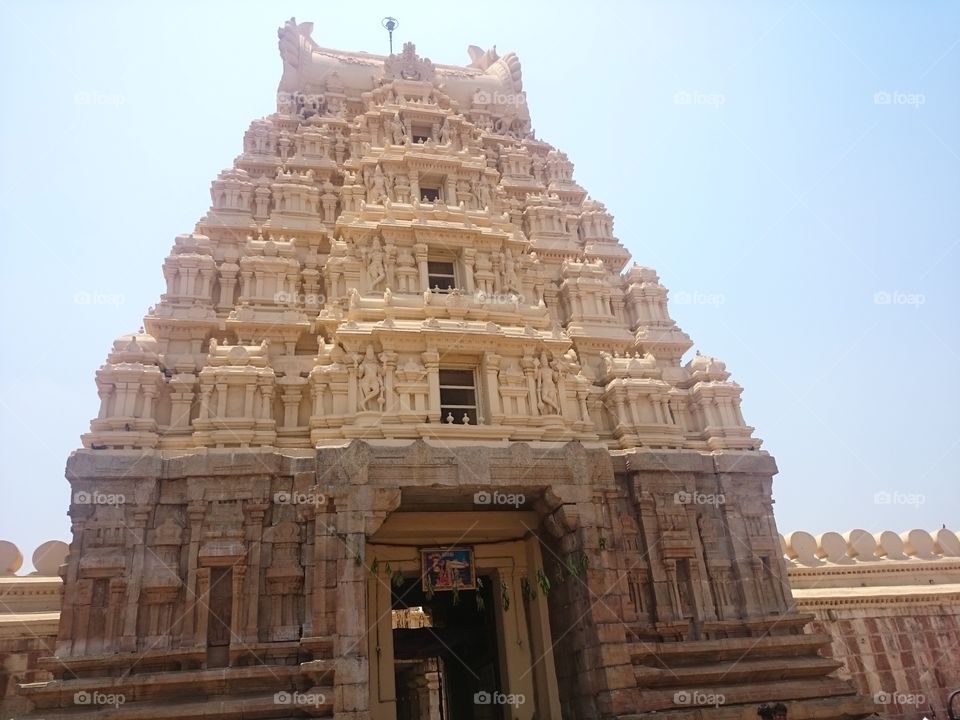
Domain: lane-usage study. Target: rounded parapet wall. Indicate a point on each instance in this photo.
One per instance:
(47, 559)
(860, 547)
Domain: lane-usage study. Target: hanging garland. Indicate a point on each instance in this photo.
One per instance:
(526, 590)
(480, 604)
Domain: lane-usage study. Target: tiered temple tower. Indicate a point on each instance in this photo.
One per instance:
(404, 327)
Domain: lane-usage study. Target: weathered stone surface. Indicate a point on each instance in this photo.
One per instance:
(893, 617)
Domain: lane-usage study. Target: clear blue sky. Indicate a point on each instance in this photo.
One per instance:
(741, 146)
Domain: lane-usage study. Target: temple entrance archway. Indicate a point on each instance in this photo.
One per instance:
(482, 653)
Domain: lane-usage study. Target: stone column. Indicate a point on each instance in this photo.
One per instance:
(431, 361)
(254, 524)
(149, 393)
(193, 612)
(469, 255)
(389, 360)
(529, 372)
(137, 529)
(491, 363)
(420, 251)
(291, 403)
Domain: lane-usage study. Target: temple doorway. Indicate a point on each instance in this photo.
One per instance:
(452, 634)
(445, 653)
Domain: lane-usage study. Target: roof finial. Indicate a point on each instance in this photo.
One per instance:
(390, 24)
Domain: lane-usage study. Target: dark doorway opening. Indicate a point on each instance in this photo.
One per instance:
(446, 659)
(219, 612)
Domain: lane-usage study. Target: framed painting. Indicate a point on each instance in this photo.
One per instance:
(447, 568)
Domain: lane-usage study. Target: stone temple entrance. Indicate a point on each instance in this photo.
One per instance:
(477, 654)
(445, 652)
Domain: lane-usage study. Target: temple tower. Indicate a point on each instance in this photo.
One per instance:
(405, 437)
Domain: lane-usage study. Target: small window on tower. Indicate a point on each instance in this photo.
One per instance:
(429, 194)
(419, 133)
(458, 396)
(441, 275)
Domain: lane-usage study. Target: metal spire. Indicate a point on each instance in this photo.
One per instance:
(390, 24)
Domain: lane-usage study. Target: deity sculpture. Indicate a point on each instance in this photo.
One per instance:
(396, 130)
(375, 270)
(548, 397)
(371, 384)
(377, 187)
(509, 272)
(401, 188)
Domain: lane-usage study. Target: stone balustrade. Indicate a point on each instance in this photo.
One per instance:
(47, 559)
(856, 547)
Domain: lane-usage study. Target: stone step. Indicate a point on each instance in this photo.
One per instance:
(685, 699)
(154, 686)
(696, 651)
(249, 707)
(840, 707)
(735, 672)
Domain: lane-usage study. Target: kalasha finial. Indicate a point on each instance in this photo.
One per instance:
(390, 24)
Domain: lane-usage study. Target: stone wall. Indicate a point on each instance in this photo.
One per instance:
(891, 604)
(29, 614)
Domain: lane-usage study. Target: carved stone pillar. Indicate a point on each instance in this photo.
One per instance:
(431, 361)
(420, 251)
(389, 360)
(529, 372)
(469, 255)
(194, 614)
(491, 364)
(254, 525)
(136, 533)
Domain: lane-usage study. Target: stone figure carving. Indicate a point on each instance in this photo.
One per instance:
(482, 59)
(548, 397)
(509, 272)
(340, 149)
(396, 130)
(371, 384)
(483, 193)
(377, 187)
(538, 165)
(401, 188)
(375, 268)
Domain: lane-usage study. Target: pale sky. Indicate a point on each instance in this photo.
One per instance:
(791, 170)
